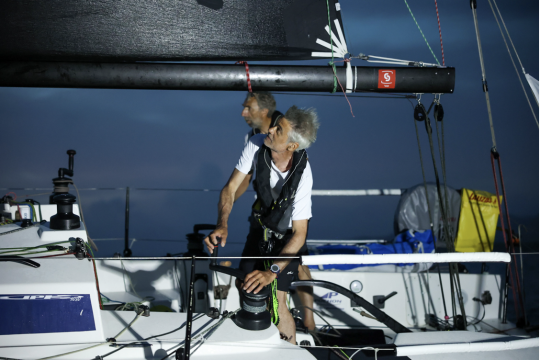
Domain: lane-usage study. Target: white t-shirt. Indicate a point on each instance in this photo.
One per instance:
(302, 201)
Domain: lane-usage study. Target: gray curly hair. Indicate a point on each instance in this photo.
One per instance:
(265, 100)
(304, 126)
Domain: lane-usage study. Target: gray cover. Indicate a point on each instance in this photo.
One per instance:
(412, 211)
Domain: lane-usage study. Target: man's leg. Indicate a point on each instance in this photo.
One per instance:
(305, 293)
(286, 324)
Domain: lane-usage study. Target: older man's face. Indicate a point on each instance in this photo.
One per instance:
(278, 136)
(252, 113)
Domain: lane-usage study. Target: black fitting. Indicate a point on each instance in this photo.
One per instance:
(473, 4)
(143, 310)
(213, 313)
(80, 249)
(26, 223)
(438, 112)
(420, 112)
(486, 298)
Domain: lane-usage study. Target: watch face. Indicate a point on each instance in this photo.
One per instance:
(274, 268)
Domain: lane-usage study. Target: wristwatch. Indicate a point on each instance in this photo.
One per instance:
(275, 269)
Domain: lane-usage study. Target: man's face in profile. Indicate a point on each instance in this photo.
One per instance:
(252, 113)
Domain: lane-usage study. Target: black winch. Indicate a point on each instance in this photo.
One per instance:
(253, 315)
(64, 219)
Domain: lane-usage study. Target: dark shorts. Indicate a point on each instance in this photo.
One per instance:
(251, 249)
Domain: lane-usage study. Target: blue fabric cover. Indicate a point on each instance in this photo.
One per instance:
(406, 242)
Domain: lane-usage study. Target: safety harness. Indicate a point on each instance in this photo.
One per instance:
(274, 215)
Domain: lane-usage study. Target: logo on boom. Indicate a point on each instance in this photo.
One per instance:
(387, 79)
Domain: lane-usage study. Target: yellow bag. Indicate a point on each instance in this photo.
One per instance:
(477, 221)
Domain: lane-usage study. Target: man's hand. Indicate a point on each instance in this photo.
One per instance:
(256, 280)
(212, 240)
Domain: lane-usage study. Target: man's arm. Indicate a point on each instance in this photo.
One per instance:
(257, 280)
(243, 186)
(226, 200)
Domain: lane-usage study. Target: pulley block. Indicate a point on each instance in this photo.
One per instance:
(420, 113)
(438, 112)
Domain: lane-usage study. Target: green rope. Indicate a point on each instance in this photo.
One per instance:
(432, 53)
(343, 352)
(21, 249)
(331, 63)
(34, 215)
(273, 301)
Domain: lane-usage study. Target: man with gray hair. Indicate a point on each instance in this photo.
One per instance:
(282, 209)
(257, 110)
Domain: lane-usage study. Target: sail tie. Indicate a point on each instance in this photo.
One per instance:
(247, 74)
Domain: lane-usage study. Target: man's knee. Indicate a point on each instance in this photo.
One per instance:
(304, 273)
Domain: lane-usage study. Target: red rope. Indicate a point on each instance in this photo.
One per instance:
(14, 195)
(440, 34)
(97, 281)
(509, 245)
(247, 74)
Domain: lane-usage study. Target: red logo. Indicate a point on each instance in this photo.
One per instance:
(387, 79)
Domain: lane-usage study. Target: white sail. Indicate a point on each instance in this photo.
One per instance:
(533, 83)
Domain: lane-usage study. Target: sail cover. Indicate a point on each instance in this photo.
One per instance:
(165, 30)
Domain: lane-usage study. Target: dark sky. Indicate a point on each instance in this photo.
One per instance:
(193, 139)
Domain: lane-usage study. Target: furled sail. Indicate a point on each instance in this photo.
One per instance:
(165, 30)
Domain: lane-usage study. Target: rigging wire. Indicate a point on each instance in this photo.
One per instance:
(82, 218)
(484, 80)
(511, 58)
(96, 345)
(148, 338)
(511, 42)
(496, 156)
(421, 32)
(431, 223)
(440, 33)
(454, 272)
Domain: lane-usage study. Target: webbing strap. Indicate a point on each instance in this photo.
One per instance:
(273, 303)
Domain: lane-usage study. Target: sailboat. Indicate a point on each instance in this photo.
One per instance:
(159, 281)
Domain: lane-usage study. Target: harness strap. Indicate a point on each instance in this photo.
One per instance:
(273, 303)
